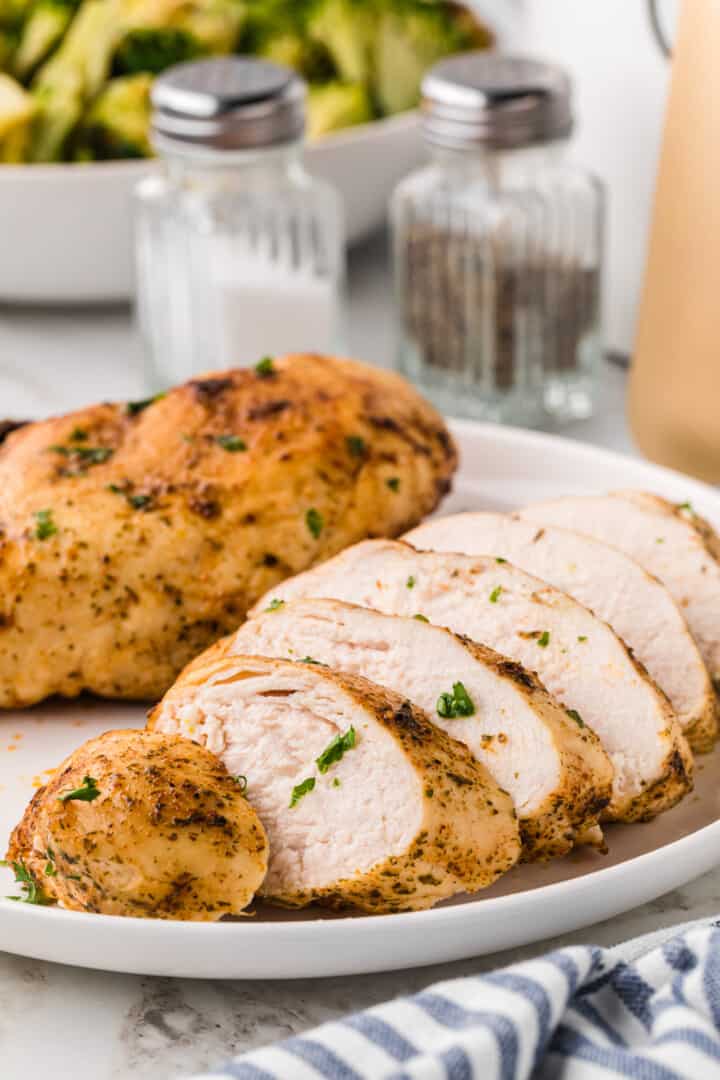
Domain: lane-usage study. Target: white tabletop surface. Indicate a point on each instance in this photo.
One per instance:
(62, 1022)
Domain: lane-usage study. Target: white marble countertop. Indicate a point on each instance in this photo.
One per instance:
(60, 1021)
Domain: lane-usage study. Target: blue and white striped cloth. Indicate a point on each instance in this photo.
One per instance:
(649, 1009)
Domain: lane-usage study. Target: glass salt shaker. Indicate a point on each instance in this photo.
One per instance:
(240, 252)
(498, 247)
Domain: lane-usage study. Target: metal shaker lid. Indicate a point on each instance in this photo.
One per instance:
(486, 98)
(228, 103)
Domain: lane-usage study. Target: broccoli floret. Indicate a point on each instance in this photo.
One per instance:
(16, 113)
(73, 76)
(118, 121)
(153, 50)
(346, 28)
(409, 40)
(337, 105)
(42, 32)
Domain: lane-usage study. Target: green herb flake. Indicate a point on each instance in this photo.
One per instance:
(336, 782)
(314, 521)
(78, 435)
(393, 482)
(459, 703)
(265, 367)
(275, 604)
(421, 618)
(544, 639)
(499, 559)
(139, 502)
(301, 789)
(134, 407)
(336, 750)
(575, 715)
(495, 594)
(50, 870)
(45, 527)
(242, 783)
(231, 443)
(356, 445)
(685, 506)
(87, 792)
(311, 660)
(582, 639)
(660, 540)
(410, 583)
(32, 892)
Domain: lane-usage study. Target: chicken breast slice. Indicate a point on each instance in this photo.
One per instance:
(672, 542)
(613, 585)
(576, 655)
(365, 802)
(505, 716)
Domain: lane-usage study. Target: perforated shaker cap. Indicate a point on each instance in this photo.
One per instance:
(228, 103)
(486, 98)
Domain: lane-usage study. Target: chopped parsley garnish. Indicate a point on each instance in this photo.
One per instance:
(231, 443)
(87, 792)
(544, 639)
(393, 482)
(355, 445)
(500, 559)
(275, 604)
(336, 750)
(241, 781)
(88, 455)
(301, 789)
(45, 527)
(50, 870)
(575, 715)
(336, 782)
(459, 703)
(139, 502)
(686, 506)
(421, 618)
(410, 583)
(495, 594)
(310, 660)
(78, 435)
(265, 367)
(32, 892)
(582, 638)
(134, 407)
(314, 521)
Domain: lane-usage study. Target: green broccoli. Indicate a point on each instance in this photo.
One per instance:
(337, 105)
(346, 28)
(411, 37)
(16, 113)
(152, 50)
(73, 76)
(276, 30)
(42, 32)
(118, 121)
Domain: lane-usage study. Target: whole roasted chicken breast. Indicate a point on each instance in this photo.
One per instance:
(133, 535)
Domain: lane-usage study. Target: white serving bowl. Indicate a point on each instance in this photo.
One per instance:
(66, 230)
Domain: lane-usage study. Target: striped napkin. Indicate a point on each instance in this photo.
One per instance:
(648, 1009)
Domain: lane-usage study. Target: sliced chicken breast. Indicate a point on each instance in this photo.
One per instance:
(615, 587)
(672, 542)
(365, 802)
(576, 655)
(503, 714)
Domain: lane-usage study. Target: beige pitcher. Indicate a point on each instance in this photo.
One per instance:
(675, 381)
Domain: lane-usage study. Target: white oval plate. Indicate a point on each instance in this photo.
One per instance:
(502, 468)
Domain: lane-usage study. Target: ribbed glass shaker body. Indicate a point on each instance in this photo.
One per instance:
(497, 256)
(239, 255)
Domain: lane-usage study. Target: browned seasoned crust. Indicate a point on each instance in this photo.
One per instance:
(168, 834)
(452, 852)
(162, 522)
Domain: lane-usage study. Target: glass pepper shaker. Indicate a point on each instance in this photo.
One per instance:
(240, 252)
(498, 247)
